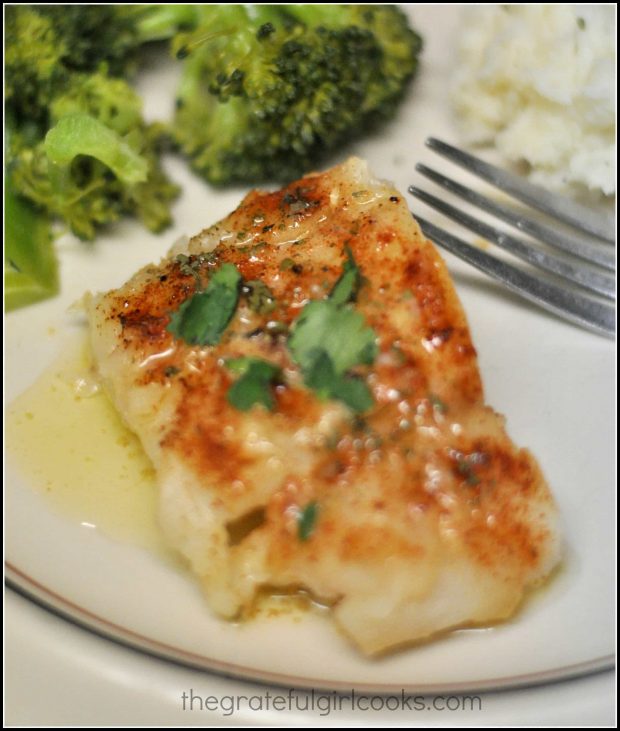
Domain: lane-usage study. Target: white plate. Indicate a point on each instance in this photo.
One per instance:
(553, 381)
(63, 676)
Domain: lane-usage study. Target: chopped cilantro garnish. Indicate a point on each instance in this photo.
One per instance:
(202, 319)
(329, 338)
(306, 521)
(339, 331)
(346, 288)
(254, 385)
(322, 378)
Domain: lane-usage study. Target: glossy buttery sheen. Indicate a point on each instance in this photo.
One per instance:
(427, 516)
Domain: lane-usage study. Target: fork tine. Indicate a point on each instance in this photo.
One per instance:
(584, 277)
(571, 305)
(594, 253)
(565, 210)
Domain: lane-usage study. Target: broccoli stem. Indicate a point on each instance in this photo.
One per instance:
(333, 16)
(161, 22)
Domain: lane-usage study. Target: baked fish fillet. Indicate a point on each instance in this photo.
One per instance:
(405, 507)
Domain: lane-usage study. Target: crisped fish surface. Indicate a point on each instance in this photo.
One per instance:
(425, 515)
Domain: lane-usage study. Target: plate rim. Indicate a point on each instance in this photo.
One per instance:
(62, 607)
(69, 611)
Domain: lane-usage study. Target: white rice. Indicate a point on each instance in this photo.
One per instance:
(538, 81)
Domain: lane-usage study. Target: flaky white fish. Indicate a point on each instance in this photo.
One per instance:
(359, 462)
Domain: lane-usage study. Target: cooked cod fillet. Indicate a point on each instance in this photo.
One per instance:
(410, 514)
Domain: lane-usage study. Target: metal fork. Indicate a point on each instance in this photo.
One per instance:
(582, 281)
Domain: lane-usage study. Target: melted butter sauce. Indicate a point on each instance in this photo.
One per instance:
(67, 440)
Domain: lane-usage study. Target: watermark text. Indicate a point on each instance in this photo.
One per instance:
(325, 703)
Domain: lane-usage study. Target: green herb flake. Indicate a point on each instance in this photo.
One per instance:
(259, 297)
(353, 392)
(183, 262)
(202, 319)
(306, 521)
(322, 378)
(255, 383)
(346, 288)
(191, 266)
(287, 263)
(581, 23)
(171, 371)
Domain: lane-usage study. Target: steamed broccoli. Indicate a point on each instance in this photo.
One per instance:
(267, 90)
(97, 33)
(78, 146)
(59, 63)
(109, 164)
(46, 44)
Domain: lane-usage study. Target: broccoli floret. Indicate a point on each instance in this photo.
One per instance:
(32, 64)
(92, 34)
(45, 44)
(61, 86)
(98, 161)
(268, 90)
